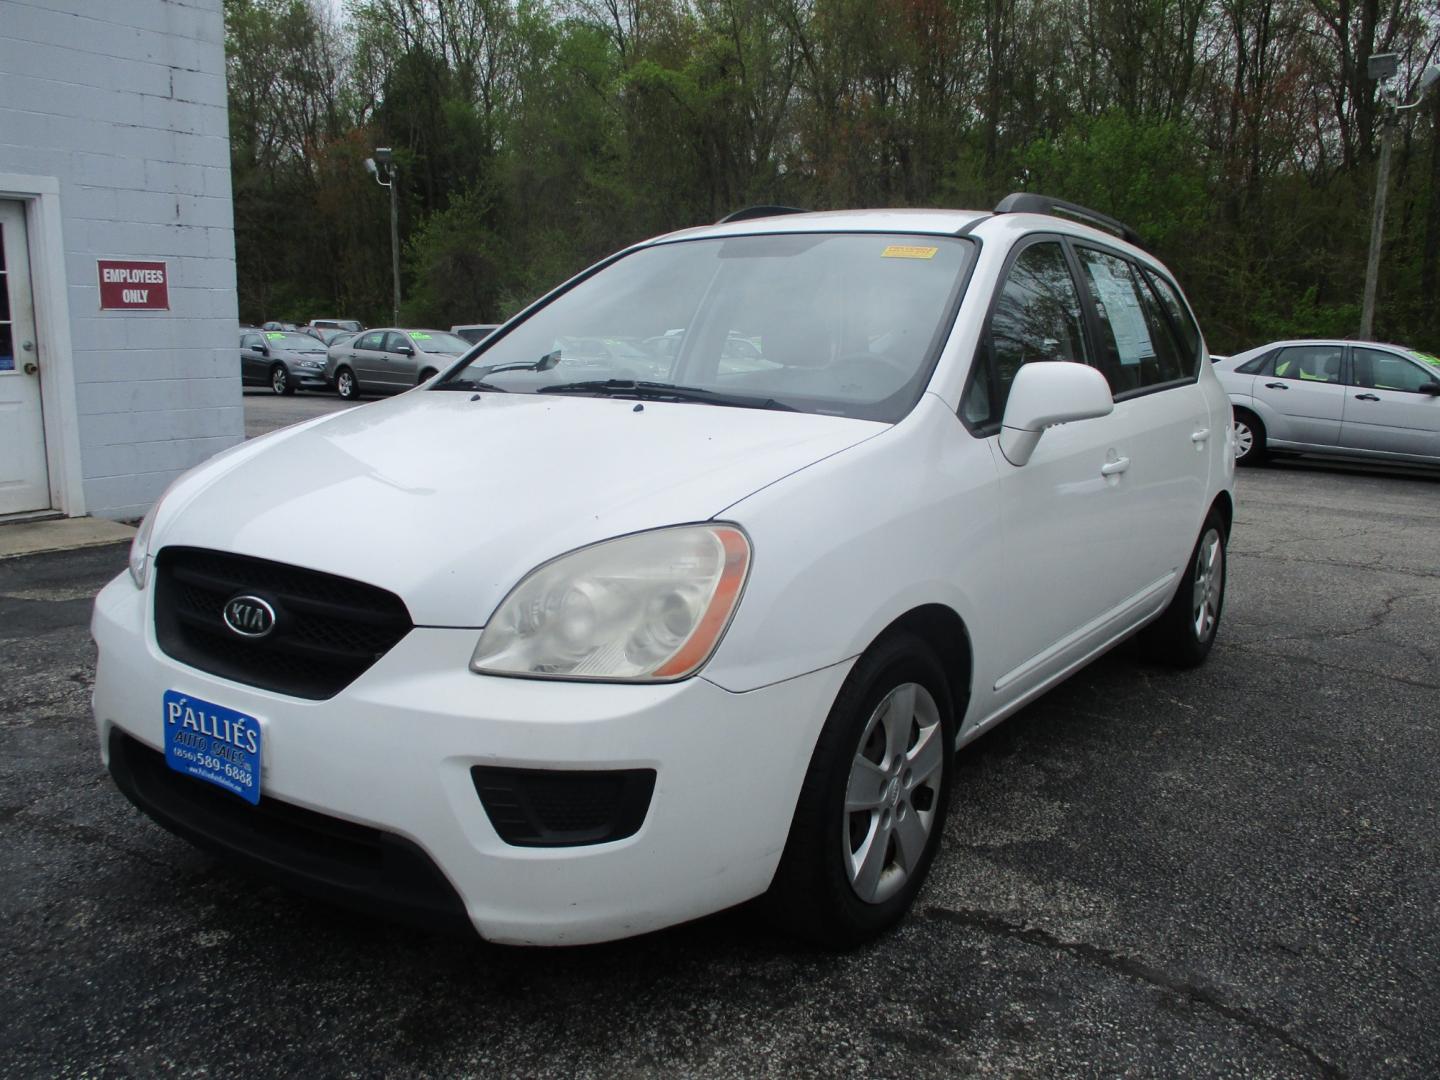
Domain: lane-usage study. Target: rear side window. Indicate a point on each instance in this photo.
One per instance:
(1036, 317)
(1143, 350)
(1309, 363)
(1257, 365)
(1180, 318)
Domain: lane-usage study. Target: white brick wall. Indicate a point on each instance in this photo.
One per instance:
(123, 101)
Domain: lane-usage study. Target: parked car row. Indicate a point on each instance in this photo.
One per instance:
(1357, 399)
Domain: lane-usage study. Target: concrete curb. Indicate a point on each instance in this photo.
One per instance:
(66, 534)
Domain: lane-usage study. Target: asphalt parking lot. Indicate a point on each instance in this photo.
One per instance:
(265, 411)
(1232, 871)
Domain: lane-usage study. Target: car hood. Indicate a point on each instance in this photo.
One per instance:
(448, 499)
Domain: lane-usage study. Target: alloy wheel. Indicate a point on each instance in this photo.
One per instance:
(279, 380)
(893, 792)
(1209, 584)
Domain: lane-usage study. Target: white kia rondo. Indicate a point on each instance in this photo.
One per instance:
(566, 649)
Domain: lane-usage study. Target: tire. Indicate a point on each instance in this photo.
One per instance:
(825, 889)
(426, 375)
(1249, 438)
(280, 380)
(346, 385)
(1183, 635)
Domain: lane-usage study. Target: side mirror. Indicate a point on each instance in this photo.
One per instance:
(264, 350)
(405, 350)
(1046, 393)
(1431, 388)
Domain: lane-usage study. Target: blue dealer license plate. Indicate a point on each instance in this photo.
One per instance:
(214, 743)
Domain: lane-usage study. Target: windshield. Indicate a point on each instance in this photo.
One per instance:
(294, 342)
(439, 341)
(844, 324)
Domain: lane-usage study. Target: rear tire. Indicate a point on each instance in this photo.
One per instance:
(346, 385)
(1249, 438)
(1183, 635)
(872, 808)
(280, 380)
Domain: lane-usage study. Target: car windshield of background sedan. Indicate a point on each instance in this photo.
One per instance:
(277, 339)
(845, 324)
(439, 341)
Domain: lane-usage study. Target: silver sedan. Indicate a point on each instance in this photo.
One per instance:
(387, 360)
(1355, 399)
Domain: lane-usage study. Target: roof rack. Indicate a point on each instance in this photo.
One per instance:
(759, 212)
(1028, 202)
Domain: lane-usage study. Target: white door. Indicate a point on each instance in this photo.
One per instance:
(24, 478)
(1064, 512)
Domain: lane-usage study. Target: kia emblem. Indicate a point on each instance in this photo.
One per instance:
(249, 616)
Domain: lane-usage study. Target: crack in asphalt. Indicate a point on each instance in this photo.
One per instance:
(78, 831)
(1403, 571)
(1131, 968)
(1373, 622)
(1328, 664)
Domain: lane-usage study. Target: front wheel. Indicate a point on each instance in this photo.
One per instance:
(1183, 635)
(280, 380)
(346, 385)
(872, 807)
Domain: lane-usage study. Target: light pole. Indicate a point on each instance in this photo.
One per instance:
(382, 167)
(1382, 67)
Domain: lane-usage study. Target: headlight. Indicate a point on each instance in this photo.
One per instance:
(644, 608)
(140, 547)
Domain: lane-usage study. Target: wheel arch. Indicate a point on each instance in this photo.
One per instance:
(945, 632)
(1224, 508)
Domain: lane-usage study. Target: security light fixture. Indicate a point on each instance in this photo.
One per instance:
(1383, 65)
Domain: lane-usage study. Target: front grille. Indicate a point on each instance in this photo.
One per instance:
(328, 630)
(356, 865)
(563, 808)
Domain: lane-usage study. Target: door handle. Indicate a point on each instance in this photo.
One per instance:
(31, 368)
(1276, 386)
(1366, 397)
(1112, 468)
(1200, 436)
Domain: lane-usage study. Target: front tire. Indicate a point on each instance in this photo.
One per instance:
(346, 384)
(872, 807)
(1183, 635)
(1249, 438)
(280, 380)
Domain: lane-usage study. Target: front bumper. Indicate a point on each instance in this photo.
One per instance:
(393, 752)
(309, 378)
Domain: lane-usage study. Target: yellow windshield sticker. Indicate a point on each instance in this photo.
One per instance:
(908, 251)
(273, 336)
(421, 337)
(1426, 358)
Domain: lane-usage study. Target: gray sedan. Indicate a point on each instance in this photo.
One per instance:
(1347, 398)
(283, 360)
(388, 360)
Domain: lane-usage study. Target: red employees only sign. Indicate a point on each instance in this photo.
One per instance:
(126, 285)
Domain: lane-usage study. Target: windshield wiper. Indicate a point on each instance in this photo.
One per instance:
(469, 384)
(660, 391)
(545, 363)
